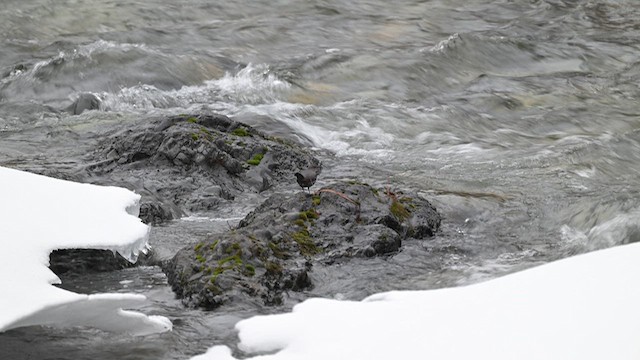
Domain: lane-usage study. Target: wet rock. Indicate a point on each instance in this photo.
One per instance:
(192, 163)
(15, 70)
(82, 261)
(84, 102)
(153, 213)
(274, 248)
(184, 164)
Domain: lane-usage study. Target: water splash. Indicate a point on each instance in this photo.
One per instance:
(621, 229)
(251, 85)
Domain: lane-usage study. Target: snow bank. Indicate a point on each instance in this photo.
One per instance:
(40, 214)
(585, 307)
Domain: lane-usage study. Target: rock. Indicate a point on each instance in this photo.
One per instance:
(82, 261)
(153, 213)
(86, 101)
(192, 163)
(15, 70)
(274, 248)
(182, 164)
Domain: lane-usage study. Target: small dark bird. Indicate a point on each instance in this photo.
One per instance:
(306, 178)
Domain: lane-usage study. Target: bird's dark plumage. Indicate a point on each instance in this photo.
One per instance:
(306, 178)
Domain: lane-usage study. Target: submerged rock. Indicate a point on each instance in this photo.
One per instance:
(84, 102)
(274, 247)
(194, 163)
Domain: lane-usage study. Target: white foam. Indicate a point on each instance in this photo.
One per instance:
(252, 84)
(621, 228)
(444, 44)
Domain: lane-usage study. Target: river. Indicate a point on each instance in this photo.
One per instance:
(519, 120)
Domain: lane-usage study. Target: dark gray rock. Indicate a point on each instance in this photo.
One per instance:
(154, 213)
(81, 261)
(274, 247)
(180, 164)
(84, 102)
(192, 163)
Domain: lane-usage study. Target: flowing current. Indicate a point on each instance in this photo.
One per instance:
(519, 120)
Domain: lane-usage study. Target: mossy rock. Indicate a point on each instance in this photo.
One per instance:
(255, 160)
(233, 264)
(275, 246)
(240, 131)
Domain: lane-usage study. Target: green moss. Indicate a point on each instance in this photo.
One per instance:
(301, 235)
(200, 258)
(195, 137)
(305, 243)
(273, 268)
(399, 211)
(234, 247)
(213, 246)
(192, 119)
(232, 262)
(259, 251)
(308, 215)
(311, 214)
(300, 223)
(198, 246)
(206, 133)
(249, 270)
(277, 251)
(407, 201)
(241, 131)
(255, 160)
(235, 260)
(316, 200)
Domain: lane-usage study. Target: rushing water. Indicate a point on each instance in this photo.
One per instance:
(518, 119)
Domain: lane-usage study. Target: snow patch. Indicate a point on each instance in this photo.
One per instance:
(584, 307)
(41, 214)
